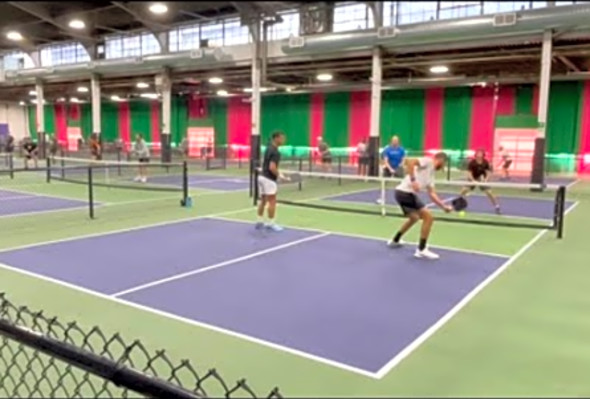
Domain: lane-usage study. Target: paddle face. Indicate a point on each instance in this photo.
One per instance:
(459, 204)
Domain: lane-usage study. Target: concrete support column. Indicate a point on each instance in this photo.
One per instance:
(255, 104)
(374, 129)
(95, 104)
(40, 118)
(164, 83)
(538, 173)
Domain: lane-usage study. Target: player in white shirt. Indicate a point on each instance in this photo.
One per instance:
(419, 176)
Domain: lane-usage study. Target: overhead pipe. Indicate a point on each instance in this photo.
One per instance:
(129, 64)
(443, 32)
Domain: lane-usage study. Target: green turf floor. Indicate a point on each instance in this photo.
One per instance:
(525, 334)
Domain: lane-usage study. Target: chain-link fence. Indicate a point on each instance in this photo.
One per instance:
(41, 356)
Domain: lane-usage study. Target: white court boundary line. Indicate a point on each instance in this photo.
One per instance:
(217, 265)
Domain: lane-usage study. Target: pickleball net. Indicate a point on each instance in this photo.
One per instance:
(521, 205)
(41, 356)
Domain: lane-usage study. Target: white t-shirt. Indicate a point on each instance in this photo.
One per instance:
(505, 155)
(424, 174)
(361, 149)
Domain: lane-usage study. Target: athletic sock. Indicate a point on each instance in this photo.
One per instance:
(260, 219)
(422, 244)
(397, 237)
(271, 222)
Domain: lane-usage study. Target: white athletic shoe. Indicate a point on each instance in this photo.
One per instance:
(379, 201)
(144, 179)
(425, 253)
(392, 244)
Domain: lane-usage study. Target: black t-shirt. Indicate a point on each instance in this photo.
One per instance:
(479, 169)
(271, 154)
(30, 147)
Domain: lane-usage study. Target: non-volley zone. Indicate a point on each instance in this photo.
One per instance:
(15, 203)
(512, 206)
(297, 291)
(205, 181)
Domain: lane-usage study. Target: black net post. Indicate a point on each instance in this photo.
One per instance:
(184, 182)
(63, 168)
(90, 194)
(48, 169)
(560, 211)
(300, 183)
(11, 165)
(224, 157)
(254, 186)
(118, 161)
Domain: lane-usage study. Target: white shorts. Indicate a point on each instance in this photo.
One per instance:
(267, 186)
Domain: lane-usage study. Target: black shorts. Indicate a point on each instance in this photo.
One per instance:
(507, 164)
(30, 156)
(144, 160)
(327, 159)
(408, 202)
(364, 160)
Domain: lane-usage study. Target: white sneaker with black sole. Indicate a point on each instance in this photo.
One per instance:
(426, 254)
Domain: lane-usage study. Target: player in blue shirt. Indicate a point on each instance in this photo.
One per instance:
(393, 158)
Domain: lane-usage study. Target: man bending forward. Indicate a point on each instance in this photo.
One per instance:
(419, 176)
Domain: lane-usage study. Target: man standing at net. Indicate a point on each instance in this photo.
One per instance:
(31, 152)
(393, 158)
(267, 182)
(419, 176)
(142, 151)
(479, 170)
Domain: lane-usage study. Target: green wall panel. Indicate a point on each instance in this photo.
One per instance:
(140, 119)
(86, 121)
(109, 121)
(291, 114)
(563, 124)
(179, 119)
(336, 119)
(402, 114)
(456, 120)
(524, 100)
(49, 114)
(217, 110)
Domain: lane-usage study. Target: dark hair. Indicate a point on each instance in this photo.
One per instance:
(483, 152)
(276, 134)
(442, 156)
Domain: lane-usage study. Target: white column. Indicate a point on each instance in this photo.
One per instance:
(256, 82)
(95, 94)
(376, 77)
(166, 103)
(39, 107)
(545, 81)
(374, 125)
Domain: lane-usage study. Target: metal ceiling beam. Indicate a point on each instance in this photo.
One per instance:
(568, 63)
(154, 27)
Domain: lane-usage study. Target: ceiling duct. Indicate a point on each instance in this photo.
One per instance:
(440, 34)
(130, 65)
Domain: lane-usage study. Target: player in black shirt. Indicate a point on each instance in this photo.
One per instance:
(267, 182)
(479, 170)
(30, 152)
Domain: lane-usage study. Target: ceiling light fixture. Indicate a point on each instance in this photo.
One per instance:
(250, 90)
(74, 100)
(116, 98)
(14, 35)
(77, 24)
(142, 85)
(32, 93)
(439, 69)
(82, 89)
(151, 96)
(158, 8)
(324, 77)
(21, 103)
(215, 80)
(222, 93)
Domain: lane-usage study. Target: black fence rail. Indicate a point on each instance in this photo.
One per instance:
(41, 356)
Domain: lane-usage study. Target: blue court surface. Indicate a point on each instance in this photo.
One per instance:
(536, 208)
(348, 301)
(204, 181)
(14, 203)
